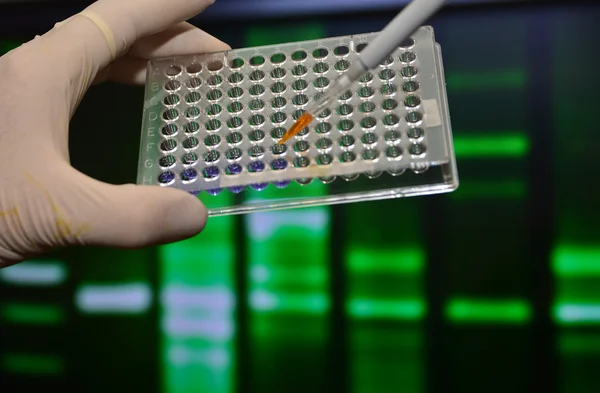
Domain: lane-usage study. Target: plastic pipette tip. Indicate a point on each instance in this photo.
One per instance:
(298, 126)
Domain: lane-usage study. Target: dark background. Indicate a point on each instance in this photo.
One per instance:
(493, 288)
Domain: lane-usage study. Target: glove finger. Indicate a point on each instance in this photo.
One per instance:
(133, 216)
(108, 28)
(179, 40)
(134, 19)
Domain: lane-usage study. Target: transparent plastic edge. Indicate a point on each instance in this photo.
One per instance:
(141, 155)
(455, 182)
(370, 196)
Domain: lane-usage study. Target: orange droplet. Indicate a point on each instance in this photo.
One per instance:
(298, 126)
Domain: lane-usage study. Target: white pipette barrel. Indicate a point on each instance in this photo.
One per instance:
(390, 38)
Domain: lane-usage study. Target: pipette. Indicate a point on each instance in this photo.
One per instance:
(386, 42)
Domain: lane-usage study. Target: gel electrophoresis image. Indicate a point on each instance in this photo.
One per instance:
(493, 288)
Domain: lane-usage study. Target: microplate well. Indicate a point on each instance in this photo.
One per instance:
(211, 124)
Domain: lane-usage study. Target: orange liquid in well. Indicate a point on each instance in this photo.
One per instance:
(298, 126)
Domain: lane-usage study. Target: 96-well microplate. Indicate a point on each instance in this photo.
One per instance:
(211, 124)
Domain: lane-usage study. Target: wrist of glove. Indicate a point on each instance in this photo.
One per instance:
(46, 203)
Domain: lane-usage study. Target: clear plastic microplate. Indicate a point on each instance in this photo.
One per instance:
(211, 124)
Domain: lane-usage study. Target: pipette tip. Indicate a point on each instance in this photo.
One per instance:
(303, 121)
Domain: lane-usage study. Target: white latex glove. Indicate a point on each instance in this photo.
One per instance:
(44, 202)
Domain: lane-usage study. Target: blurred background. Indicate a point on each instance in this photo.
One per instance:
(493, 288)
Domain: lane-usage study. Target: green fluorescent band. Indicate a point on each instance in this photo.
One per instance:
(404, 261)
(576, 261)
(488, 311)
(32, 364)
(32, 314)
(399, 309)
(34, 273)
(580, 313)
(265, 274)
(304, 303)
(503, 189)
(185, 257)
(271, 229)
(496, 144)
(121, 298)
(490, 80)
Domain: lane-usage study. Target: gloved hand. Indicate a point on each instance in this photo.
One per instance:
(44, 202)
